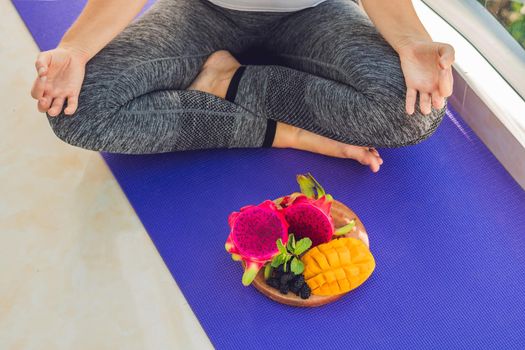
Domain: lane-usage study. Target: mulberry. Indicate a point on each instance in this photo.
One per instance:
(305, 292)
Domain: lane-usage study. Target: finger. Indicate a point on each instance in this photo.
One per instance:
(410, 100)
(44, 103)
(56, 107)
(446, 55)
(438, 101)
(424, 103)
(446, 82)
(72, 104)
(42, 63)
(38, 87)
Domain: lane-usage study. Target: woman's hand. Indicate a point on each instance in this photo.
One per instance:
(60, 76)
(427, 67)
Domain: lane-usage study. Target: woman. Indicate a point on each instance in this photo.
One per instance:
(170, 81)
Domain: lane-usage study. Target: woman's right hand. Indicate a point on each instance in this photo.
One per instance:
(60, 76)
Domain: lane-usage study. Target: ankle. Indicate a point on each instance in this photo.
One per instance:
(216, 74)
(222, 82)
(285, 135)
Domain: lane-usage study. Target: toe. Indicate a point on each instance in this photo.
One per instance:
(374, 151)
(372, 160)
(368, 158)
(374, 164)
(376, 154)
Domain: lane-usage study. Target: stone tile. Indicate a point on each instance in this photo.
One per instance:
(78, 270)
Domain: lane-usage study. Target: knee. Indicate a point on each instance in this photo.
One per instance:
(384, 92)
(70, 129)
(101, 95)
(400, 129)
(78, 129)
(415, 128)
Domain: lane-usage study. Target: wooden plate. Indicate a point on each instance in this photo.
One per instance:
(341, 215)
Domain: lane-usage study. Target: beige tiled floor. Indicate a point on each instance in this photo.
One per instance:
(77, 269)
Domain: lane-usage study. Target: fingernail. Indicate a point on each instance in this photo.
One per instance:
(43, 79)
(41, 70)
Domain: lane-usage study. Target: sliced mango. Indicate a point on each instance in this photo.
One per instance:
(338, 266)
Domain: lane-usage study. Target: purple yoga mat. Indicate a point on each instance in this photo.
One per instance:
(48, 20)
(446, 223)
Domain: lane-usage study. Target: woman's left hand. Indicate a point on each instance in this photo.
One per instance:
(427, 68)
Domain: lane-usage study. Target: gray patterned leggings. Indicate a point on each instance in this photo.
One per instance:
(330, 72)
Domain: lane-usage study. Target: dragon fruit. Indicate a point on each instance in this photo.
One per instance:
(254, 232)
(309, 213)
(310, 218)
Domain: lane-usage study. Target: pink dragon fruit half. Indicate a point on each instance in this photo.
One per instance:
(310, 218)
(254, 232)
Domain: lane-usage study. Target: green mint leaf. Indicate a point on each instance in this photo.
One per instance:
(302, 246)
(290, 241)
(286, 265)
(276, 261)
(293, 266)
(281, 246)
(297, 266)
(300, 269)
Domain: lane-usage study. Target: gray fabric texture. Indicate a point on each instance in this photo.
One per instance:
(336, 76)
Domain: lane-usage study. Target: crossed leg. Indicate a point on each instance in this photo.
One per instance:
(350, 78)
(339, 90)
(337, 78)
(134, 97)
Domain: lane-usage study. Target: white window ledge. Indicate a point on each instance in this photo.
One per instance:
(487, 103)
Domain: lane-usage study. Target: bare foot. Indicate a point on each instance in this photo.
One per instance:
(215, 77)
(288, 136)
(216, 74)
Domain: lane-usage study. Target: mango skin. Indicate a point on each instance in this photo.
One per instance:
(338, 266)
